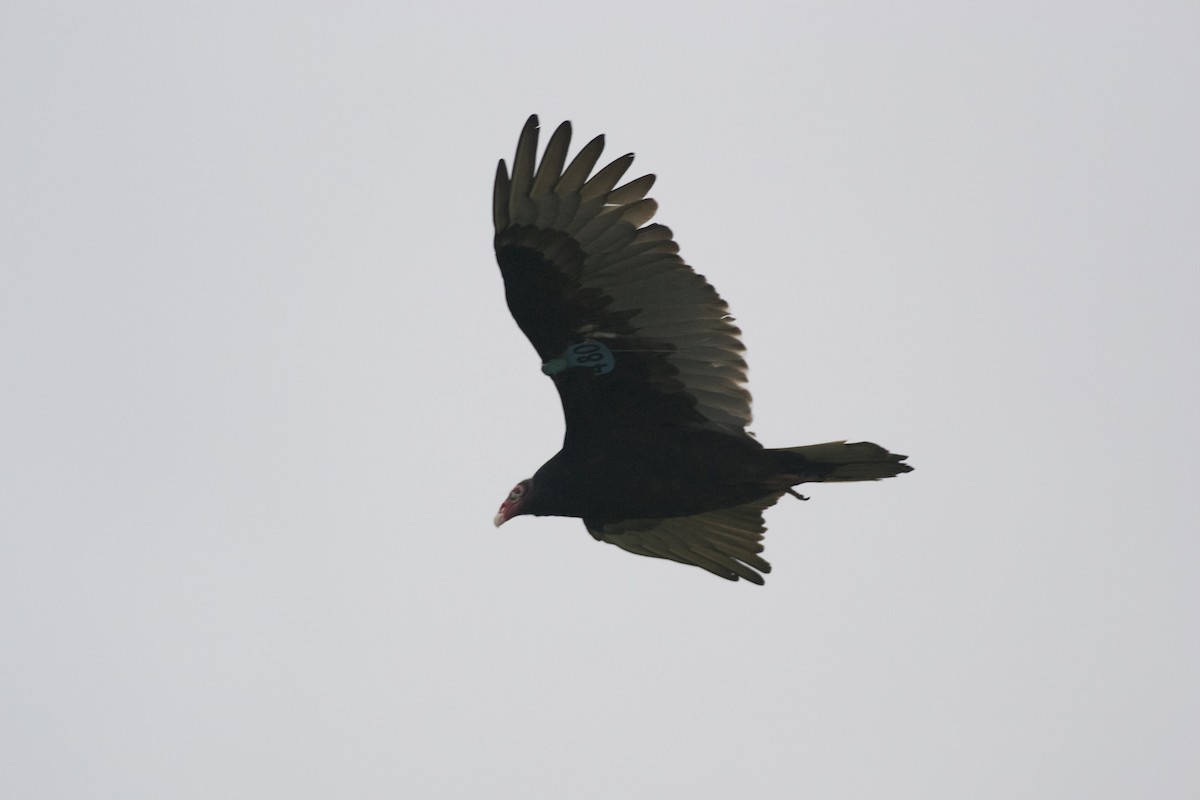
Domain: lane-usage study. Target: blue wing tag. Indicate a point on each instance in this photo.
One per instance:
(588, 354)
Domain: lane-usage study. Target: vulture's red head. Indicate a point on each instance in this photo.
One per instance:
(512, 505)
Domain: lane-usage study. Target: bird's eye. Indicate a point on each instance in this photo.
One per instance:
(516, 493)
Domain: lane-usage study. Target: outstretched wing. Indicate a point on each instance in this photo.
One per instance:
(629, 333)
(725, 542)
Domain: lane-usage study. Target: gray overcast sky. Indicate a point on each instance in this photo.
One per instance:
(261, 396)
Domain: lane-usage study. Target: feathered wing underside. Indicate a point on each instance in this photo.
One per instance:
(582, 267)
(725, 542)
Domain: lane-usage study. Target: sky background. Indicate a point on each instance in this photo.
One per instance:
(260, 397)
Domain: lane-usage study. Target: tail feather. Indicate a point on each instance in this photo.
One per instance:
(839, 461)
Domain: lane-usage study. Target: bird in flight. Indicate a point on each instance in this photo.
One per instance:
(648, 366)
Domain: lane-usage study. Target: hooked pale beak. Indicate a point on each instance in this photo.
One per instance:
(511, 507)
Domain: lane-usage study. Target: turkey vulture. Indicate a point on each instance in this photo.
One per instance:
(656, 458)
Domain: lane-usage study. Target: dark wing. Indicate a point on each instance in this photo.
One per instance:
(725, 542)
(629, 333)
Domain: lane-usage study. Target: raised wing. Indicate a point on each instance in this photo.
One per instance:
(725, 542)
(629, 333)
